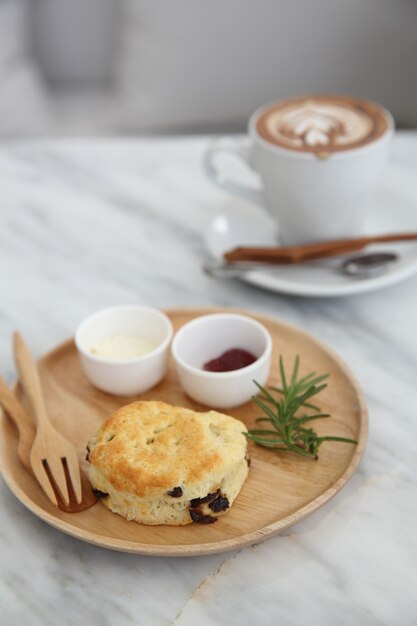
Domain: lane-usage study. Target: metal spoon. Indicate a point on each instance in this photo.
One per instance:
(367, 265)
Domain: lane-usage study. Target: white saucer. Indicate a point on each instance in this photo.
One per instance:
(241, 223)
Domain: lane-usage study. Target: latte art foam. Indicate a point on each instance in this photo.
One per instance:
(322, 124)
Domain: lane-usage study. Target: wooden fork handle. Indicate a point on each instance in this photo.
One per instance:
(29, 379)
(311, 251)
(22, 421)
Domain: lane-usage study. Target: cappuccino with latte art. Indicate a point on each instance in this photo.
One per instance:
(319, 160)
(322, 124)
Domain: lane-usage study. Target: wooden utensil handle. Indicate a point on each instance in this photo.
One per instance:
(22, 421)
(29, 377)
(312, 251)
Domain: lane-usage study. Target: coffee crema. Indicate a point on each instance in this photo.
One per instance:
(322, 124)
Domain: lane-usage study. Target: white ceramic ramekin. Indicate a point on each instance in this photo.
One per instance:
(206, 338)
(133, 376)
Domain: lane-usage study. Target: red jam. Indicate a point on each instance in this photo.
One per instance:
(233, 359)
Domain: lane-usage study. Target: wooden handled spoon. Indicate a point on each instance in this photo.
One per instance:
(311, 251)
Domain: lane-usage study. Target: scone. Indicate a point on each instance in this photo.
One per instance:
(159, 464)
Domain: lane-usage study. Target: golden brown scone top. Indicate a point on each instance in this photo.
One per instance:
(146, 447)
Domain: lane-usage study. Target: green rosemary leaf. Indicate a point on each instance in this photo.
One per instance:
(281, 413)
(264, 441)
(266, 399)
(313, 391)
(309, 418)
(314, 381)
(301, 450)
(295, 371)
(260, 431)
(266, 393)
(343, 439)
(284, 380)
(304, 380)
(266, 410)
(306, 404)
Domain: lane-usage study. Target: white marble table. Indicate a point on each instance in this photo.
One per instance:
(88, 224)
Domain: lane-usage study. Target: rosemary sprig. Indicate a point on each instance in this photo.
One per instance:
(289, 431)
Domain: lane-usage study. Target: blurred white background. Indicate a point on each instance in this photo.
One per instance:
(106, 67)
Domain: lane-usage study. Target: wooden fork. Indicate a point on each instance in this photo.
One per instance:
(26, 434)
(50, 452)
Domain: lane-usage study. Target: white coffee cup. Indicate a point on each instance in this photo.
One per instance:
(312, 198)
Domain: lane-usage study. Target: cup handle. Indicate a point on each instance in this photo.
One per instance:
(241, 151)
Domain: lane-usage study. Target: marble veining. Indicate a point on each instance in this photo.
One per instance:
(87, 224)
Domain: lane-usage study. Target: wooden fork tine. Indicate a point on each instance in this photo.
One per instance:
(72, 464)
(57, 472)
(43, 479)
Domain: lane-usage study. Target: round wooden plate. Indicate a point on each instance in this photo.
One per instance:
(282, 487)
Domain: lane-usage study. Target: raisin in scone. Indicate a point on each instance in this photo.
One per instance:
(159, 464)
